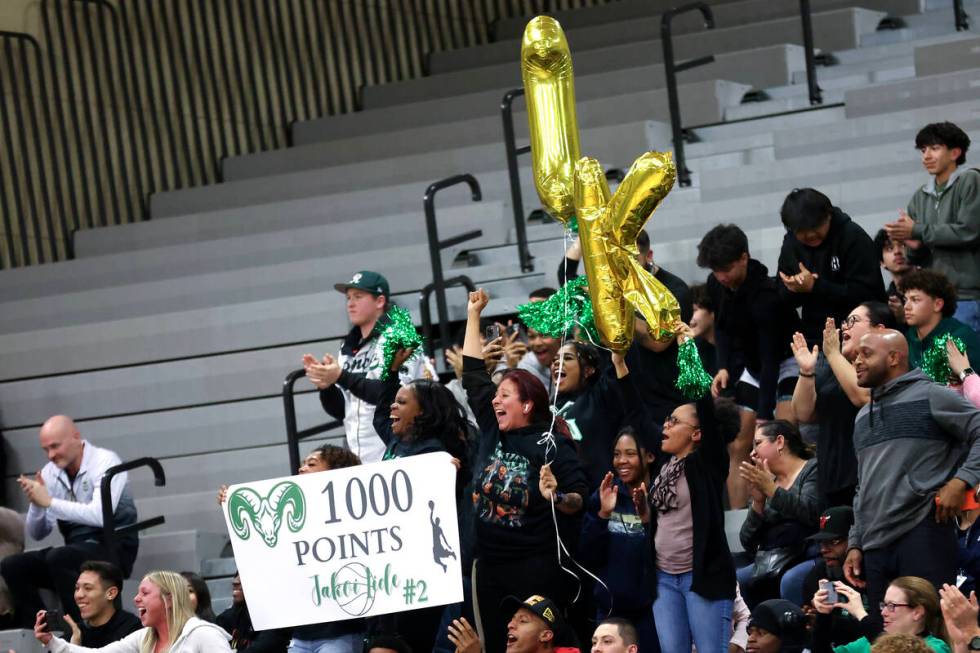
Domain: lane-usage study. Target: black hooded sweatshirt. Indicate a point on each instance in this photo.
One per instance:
(754, 328)
(846, 264)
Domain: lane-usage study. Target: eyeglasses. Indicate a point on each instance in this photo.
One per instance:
(852, 320)
(673, 421)
(890, 607)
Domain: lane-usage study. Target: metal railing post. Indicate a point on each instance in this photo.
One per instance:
(811, 65)
(960, 16)
(109, 531)
(293, 434)
(670, 72)
(436, 246)
(516, 201)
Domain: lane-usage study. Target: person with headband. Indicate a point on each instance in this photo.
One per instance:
(527, 470)
(169, 624)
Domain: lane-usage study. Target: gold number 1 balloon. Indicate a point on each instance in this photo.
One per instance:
(568, 184)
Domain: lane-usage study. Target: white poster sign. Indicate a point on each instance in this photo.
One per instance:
(352, 542)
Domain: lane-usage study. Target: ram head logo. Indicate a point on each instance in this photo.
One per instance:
(248, 510)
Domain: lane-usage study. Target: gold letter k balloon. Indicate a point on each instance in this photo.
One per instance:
(618, 285)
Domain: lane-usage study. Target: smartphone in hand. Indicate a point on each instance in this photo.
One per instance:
(832, 596)
(55, 623)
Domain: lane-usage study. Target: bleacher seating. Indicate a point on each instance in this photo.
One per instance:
(171, 337)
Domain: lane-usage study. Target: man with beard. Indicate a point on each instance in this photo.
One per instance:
(918, 452)
(835, 524)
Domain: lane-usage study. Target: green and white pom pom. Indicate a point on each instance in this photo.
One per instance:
(557, 315)
(398, 334)
(935, 362)
(692, 380)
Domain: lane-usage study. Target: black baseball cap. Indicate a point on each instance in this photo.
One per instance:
(835, 523)
(545, 609)
(372, 282)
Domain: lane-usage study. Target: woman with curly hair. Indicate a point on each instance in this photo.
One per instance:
(590, 401)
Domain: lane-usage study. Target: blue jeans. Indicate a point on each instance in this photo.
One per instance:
(351, 643)
(968, 312)
(682, 614)
(791, 584)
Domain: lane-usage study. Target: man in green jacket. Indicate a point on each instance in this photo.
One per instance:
(930, 301)
(944, 215)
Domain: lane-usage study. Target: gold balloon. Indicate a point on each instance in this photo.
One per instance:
(618, 284)
(546, 68)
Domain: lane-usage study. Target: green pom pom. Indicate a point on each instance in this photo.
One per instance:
(692, 380)
(573, 224)
(398, 334)
(935, 362)
(568, 307)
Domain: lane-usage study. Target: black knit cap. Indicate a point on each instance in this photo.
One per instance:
(784, 620)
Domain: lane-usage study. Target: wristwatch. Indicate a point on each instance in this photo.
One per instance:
(965, 373)
(974, 644)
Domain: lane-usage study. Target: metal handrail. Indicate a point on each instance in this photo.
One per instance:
(670, 71)
(513, 172)
(293, 435)
(960, 16)
(439, 283)
(109, 530)
(811, 64)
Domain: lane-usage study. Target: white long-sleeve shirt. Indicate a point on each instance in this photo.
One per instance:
(77, 501)
(197, 637)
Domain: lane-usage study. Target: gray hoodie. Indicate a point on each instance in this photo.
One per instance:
(913, 437)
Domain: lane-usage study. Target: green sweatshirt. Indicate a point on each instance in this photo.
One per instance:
(946, 325)
(948, 221)
(864, 646)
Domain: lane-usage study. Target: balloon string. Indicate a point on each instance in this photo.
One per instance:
(551, 447)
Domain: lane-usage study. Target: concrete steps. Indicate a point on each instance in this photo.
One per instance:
(637, 42)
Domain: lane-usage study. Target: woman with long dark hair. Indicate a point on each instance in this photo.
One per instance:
(590, 402)
(614, 541)
(527, 472)
(200, 596)
(785, 511)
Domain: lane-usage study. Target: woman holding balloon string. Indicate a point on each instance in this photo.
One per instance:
(691, 573)
(590, 401)
(527, 470)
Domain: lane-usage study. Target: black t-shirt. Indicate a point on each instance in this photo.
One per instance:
(513, 519)
(119, 625)
(835, 440)
(654, 375)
